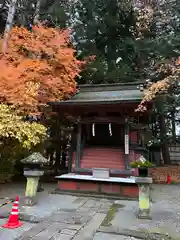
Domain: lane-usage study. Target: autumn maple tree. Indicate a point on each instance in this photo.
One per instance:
(38, 66)
(161, 87)
(162, 64)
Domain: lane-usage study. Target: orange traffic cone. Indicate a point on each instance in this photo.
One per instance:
(13, 221)
(169, 180)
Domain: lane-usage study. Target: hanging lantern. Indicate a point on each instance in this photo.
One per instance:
(110, 129)
(93, 129)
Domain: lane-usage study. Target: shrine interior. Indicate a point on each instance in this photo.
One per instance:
(103, 134)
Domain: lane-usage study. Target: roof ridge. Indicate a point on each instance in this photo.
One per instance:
(110, 84)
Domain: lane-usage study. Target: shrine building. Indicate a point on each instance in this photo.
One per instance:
(103, 141)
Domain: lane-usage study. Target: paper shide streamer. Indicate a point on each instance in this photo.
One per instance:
(93, 129)
(110, 129)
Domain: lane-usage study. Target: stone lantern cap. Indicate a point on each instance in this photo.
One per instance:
(35, 158)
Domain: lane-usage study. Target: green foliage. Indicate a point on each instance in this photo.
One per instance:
(6, 166)
(145, 37)
(140, 164)
(10, 153)
(55, 12)
(13, 126)
(155, 141)
(105, 30)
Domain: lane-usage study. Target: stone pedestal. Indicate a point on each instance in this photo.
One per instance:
(100, 172)
(144, 184)
(32, 186)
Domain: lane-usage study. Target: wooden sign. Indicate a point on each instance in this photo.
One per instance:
(126, 143)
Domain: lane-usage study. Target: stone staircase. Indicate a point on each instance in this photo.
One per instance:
(102, 157)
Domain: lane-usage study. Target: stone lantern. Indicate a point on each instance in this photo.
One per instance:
(33, 171)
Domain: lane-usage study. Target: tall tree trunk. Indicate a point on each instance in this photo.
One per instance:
(173, 126)
(37, 10)
(173, 117)
(9, 23)
(165, 146)
(163, 130)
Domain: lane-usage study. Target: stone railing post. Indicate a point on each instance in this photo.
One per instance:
(144, 185)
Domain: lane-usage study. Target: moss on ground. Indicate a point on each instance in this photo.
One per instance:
(111, 214)
(157, 234)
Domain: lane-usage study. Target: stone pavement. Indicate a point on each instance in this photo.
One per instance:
(108, 236)
(86, 218)
(47, 203)
(7, 234)
(78, 223)
(65, 222)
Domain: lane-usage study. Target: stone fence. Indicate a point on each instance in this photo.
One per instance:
(160, 174)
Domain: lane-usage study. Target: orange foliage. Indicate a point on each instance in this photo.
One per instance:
(160, 87)
(38, 66)
(155, 90)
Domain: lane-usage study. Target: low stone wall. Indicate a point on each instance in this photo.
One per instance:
(160, 174)
(126, 191)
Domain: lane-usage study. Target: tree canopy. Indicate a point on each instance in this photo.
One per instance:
(14, 127)
(132, 40)
(38, 66)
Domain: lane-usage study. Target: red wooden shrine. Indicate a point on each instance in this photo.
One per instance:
(103, 139)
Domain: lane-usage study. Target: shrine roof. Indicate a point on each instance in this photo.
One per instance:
(104, 94)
